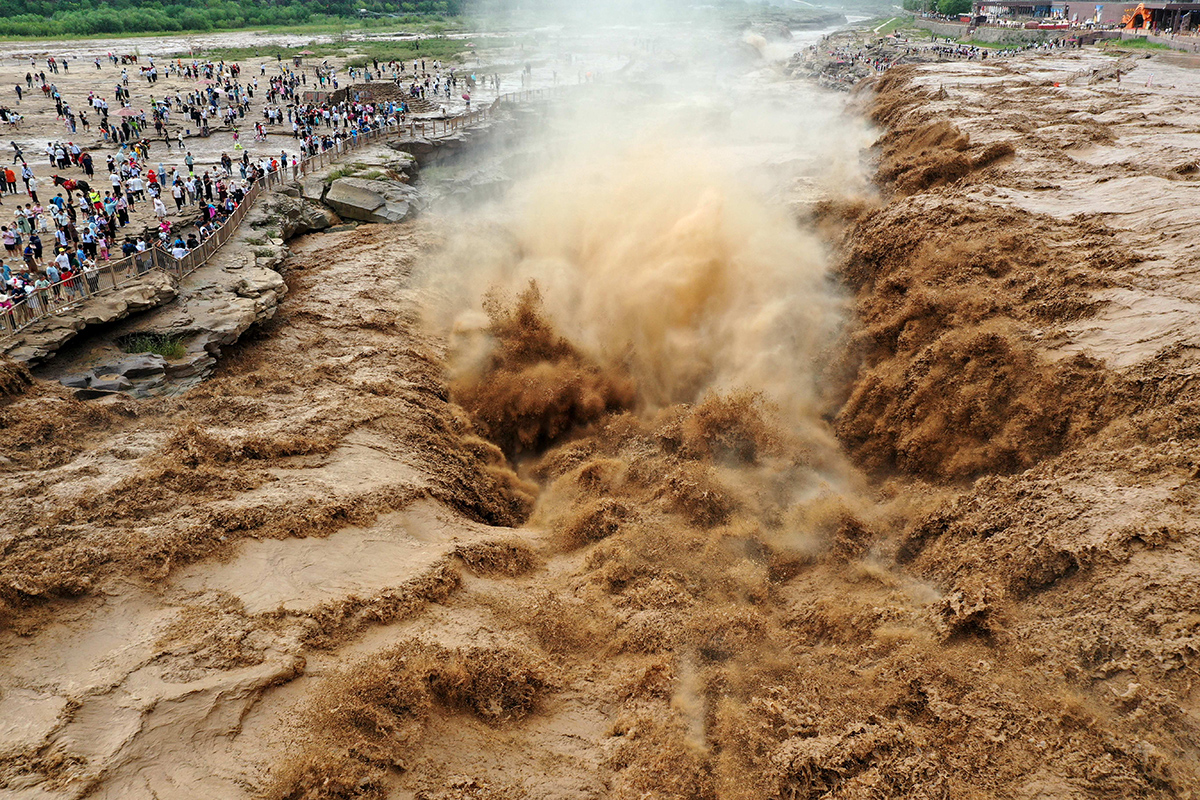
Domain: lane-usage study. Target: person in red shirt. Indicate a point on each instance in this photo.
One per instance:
(65, 276)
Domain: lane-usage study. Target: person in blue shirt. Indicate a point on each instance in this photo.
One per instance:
(54, 276)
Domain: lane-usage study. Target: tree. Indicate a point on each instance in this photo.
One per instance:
(954, 7)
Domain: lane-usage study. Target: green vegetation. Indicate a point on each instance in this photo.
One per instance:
(885, 26)
(360, 52)
(948, 7)
(1132, 44)
(46, 18)
(992, 45)
(348, 171)
(168, 346)
(66, 19)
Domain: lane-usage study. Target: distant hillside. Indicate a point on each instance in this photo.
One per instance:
(50, 18)
(89, 17)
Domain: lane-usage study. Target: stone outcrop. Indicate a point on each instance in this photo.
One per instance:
(369, 185)
(371, 200)
(42, 339)
(428, 151)
(214, 306)
(142, 374)
(292, 215)
(111, 383)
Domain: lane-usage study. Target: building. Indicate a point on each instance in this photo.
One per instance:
(1019, 9)
(1162, 16)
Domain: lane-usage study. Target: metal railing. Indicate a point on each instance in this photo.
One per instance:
(67, 295)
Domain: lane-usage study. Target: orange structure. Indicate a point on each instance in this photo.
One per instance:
(1137, 18)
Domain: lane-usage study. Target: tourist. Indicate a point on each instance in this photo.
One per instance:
(91, 274)
(36, 295)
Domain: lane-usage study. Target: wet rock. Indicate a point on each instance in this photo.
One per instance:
(141, 366)
(195, 364)
(290, 216)
(312, 188)
(370, 200)
(92, 394)
(78, 381)
(149, 388)
(318, 218)
(111, 383)
(42, 339)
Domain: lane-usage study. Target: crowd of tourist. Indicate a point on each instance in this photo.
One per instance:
(842, 59)
(62, 248)
(952, 49)
(54, 253)
(58, 248)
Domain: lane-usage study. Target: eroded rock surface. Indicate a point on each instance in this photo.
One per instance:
(43, 339)
(371, 200)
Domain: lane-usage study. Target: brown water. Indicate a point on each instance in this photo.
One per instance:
(563, 496)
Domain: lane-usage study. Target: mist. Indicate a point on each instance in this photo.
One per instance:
(660, 209)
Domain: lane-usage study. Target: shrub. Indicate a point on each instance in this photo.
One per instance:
(167, 345)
